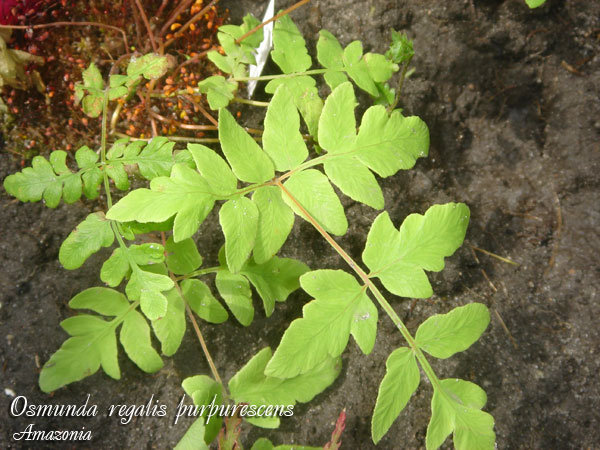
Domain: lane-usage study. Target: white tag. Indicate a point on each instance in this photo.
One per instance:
(263, 50)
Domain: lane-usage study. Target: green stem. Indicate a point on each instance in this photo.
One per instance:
(321, 159)
(400, 84)
(249, 189)
(114, 225)
(190, 314)
(250, 102)
(103, 148)
(409, 338)
(367, 281)
(211, 363)
(119, 237)
(311, 163)
(288, 75)
(117, 320)
(301, 167)
(117, 232)
(200, 272)
(172, 138)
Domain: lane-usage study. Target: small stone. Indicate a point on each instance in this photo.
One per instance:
(10, 393)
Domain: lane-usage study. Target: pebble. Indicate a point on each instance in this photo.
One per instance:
(9, 392)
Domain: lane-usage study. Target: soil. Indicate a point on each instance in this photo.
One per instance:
(512, 100)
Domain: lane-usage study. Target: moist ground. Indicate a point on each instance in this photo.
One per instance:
(512, 100)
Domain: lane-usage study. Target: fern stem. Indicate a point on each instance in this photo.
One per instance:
(287, 75)
(400, 84)
(147, 25)
(211, 363)
(103, 148)
(250, 102)
(371, 286)
(190, 314)
(172, 138)
(200, 272)
(306, 165)
(207, 355)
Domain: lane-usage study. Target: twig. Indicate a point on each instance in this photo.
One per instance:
(115, 65)
(147, 25)
(272, 19)
(182, 125)
(204, 112)
(154, 128)
(525, 215)
(173, 17)
(570, 68)
(138, 26)
(160, 9)
(194, 19)
(499, 317)
(472, 9)
(534, 32)
(559, 223)
(485, 275)
(493, 255)
(502, 91)
(506, 330)
(70, 24)
(192, 60)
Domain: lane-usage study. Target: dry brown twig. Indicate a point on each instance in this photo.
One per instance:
(556, 237)
(184, 27)
(147, 25)
(173, 16)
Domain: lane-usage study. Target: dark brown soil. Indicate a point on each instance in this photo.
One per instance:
(512, 99)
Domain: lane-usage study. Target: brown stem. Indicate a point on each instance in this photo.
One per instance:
(154, 128)
(213, 368)
(194, 19)
(173, 17)
(185, 126)
(204, 112)
(146, 102)
(211, 363)
(275, 17)
(161, 9)
(192, 60)
(138, 25)
(115, 66)
(70, 24)
(189, 126)
(147, 25)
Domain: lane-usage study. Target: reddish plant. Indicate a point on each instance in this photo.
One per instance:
(14, 12)
(51, 119)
